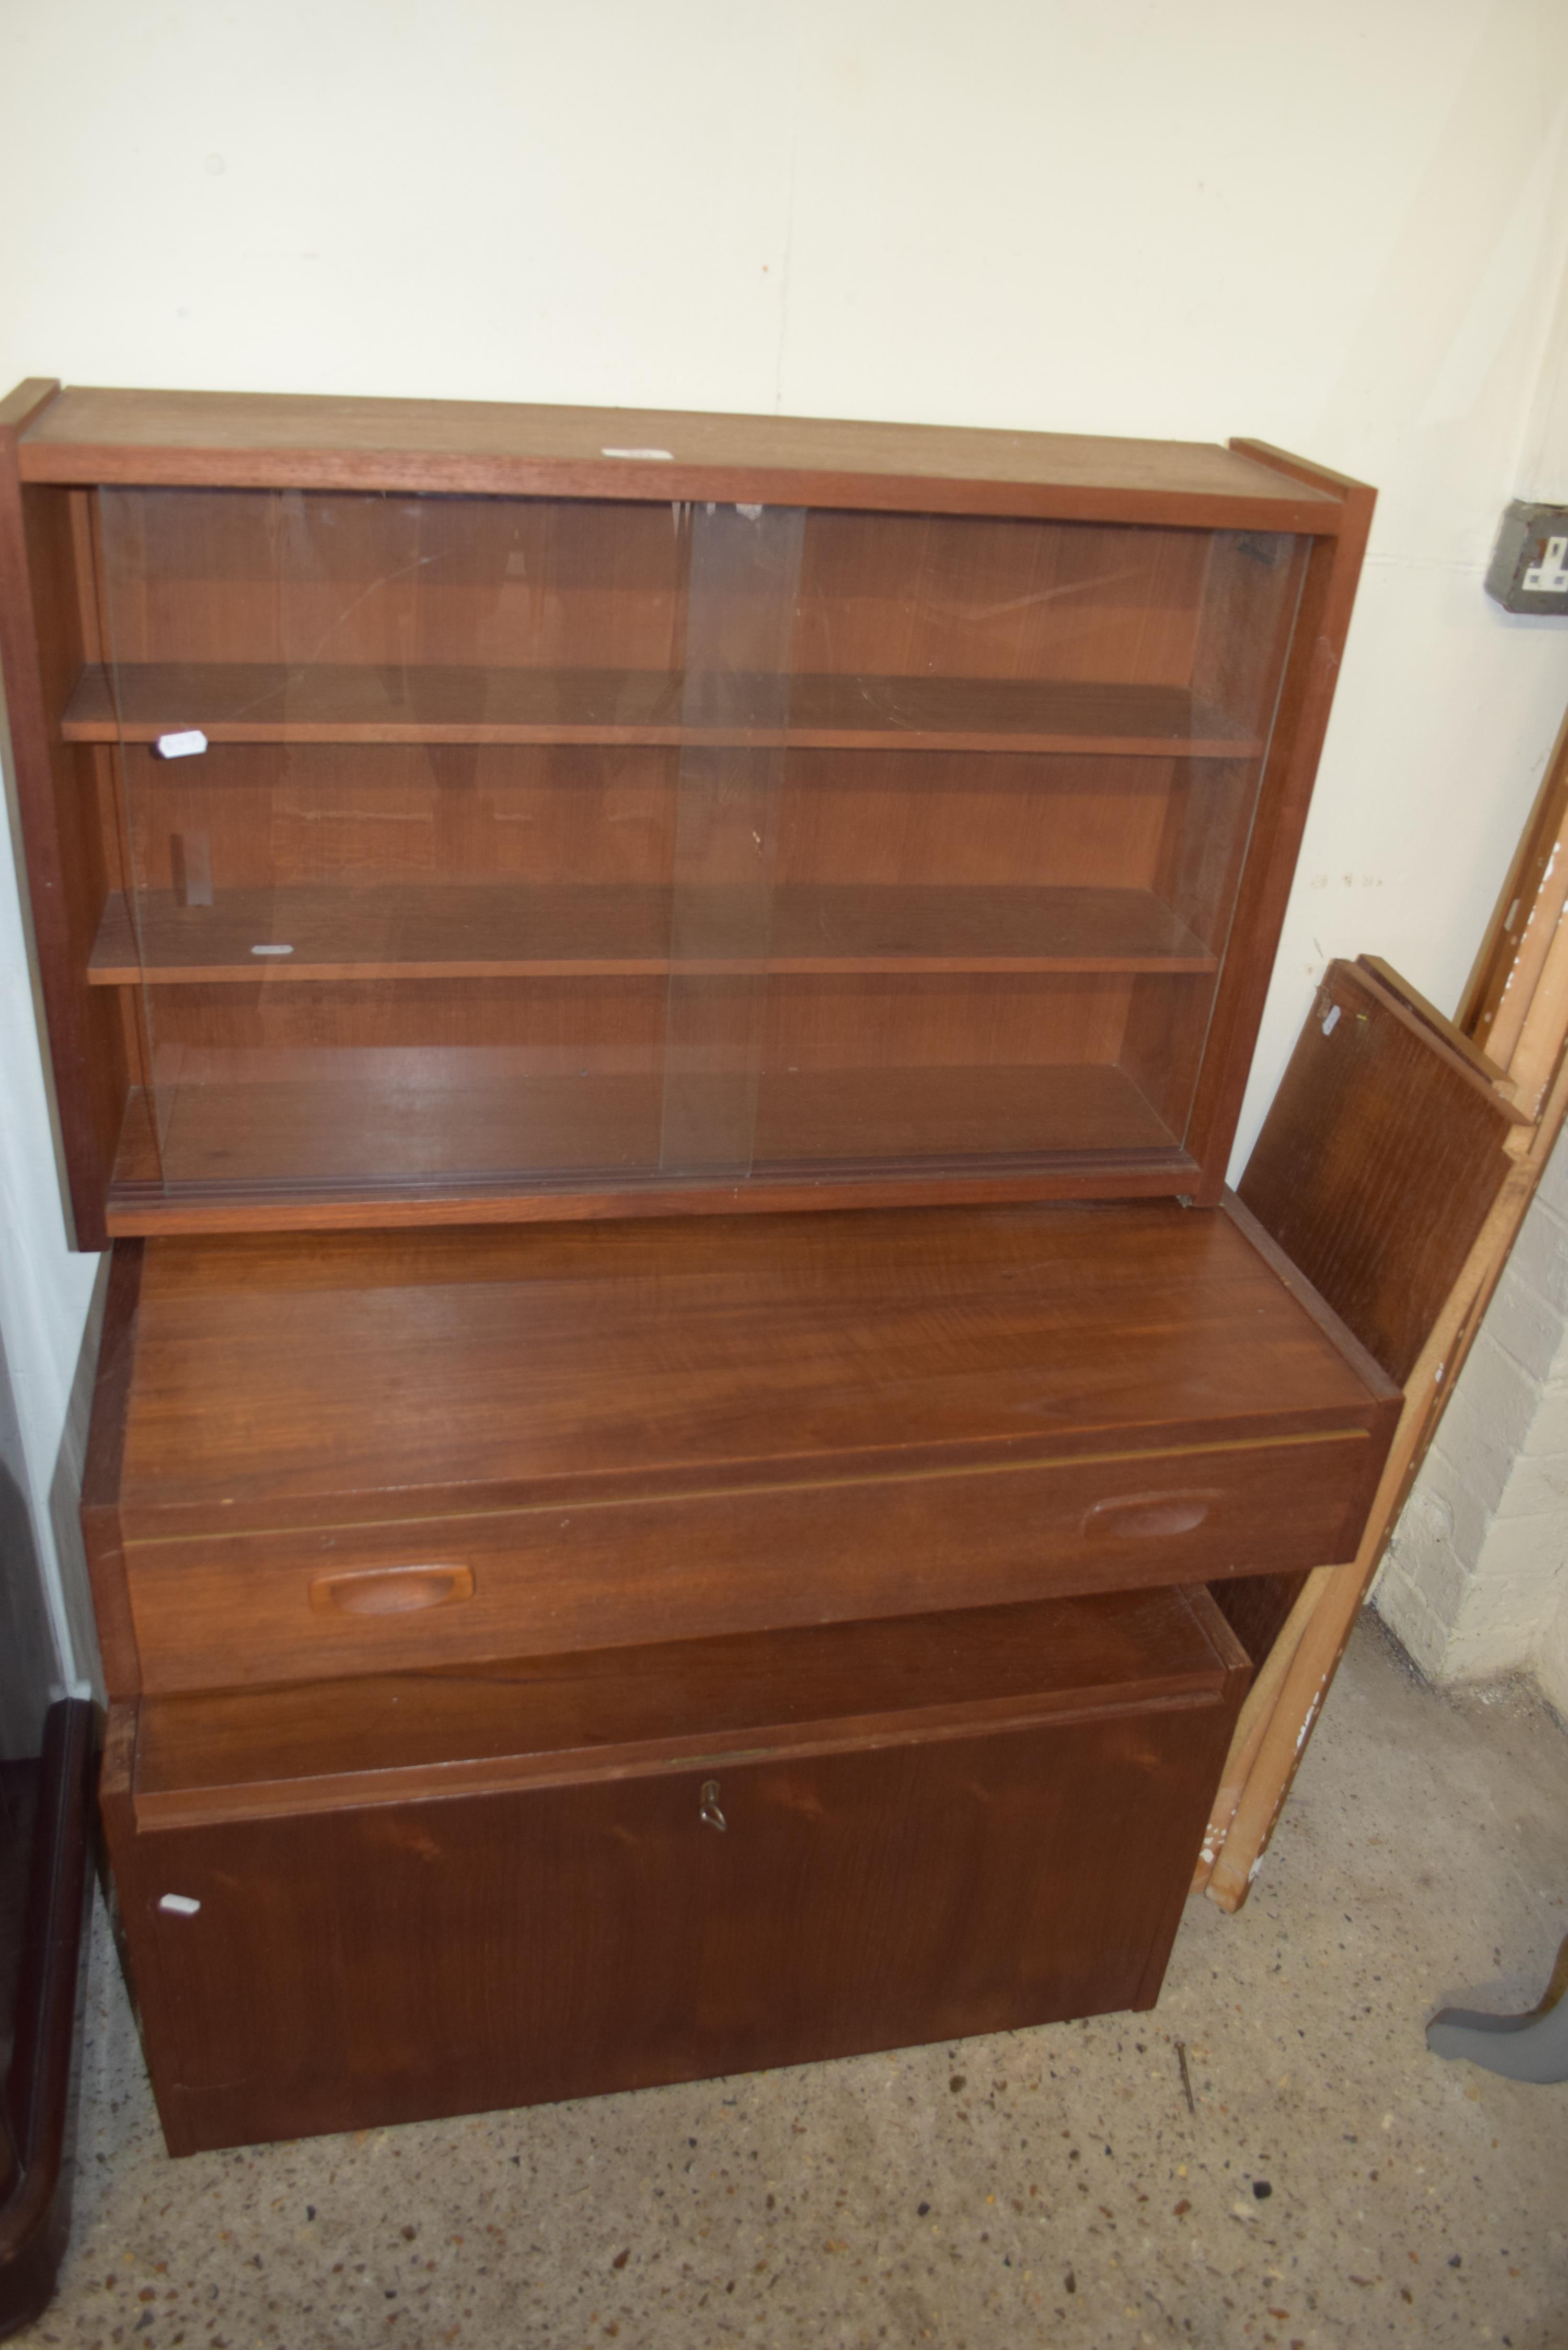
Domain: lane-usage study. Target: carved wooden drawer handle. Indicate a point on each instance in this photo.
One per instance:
(390, 1590)
(1146, 1518)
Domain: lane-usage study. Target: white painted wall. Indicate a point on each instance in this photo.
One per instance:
(1475, 1582)
(1338, 227)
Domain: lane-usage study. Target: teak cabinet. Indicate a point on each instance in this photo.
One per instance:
(492, 872)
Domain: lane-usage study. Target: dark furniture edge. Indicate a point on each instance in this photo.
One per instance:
(42, 883)
(1412, 1009)
(101, 1521)
(1366, 1366)
(41, 2087)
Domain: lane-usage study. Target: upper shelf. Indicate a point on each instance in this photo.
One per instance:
(623, 930)
(245, 702)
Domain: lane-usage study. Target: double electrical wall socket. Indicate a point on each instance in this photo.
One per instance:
(1528, 568)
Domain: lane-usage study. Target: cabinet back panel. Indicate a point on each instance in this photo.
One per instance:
(540, 1024)
(1250, 596)
(1206, 816)
(877, 1022)
(306, 577)
(46, 624)
(912, 594)
(1162, 1043)
(345, 814)
(956, 818)
(824, 1023)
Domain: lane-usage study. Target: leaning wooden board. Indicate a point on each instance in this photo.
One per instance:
(1393, 1168)
(318, 1458)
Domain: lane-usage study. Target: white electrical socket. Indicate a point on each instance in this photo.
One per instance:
(1549, 576)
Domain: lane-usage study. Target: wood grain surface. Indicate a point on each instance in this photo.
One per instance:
(264, 439)
(1378, 1162)
(838, 1546)
(537, 1721)
(69, 865)
(274, 1376)
(900, 1884)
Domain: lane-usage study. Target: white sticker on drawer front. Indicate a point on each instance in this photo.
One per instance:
(1146, 1516)
(179, 1904)
(184, 744)
(643, 456)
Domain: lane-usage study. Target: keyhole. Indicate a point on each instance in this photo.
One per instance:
(712, 1816)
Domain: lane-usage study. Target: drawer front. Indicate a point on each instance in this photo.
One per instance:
(343, 1969)
(258, 1608)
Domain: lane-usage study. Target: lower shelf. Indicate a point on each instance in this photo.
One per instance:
(413, 1123)
(367, 1903)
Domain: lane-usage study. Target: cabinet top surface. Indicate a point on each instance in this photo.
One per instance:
(283, 1379)
(266, 438)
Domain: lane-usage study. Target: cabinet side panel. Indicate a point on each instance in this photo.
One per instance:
(1306, 697)
(101, 1474)
(126, 1853)
(41, 649)
(1255, 1607)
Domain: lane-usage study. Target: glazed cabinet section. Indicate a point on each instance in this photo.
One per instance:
(322, 1954)
(535, 850)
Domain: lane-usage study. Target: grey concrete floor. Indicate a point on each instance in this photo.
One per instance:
(1335, 2184)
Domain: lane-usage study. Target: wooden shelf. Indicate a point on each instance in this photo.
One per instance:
(259, 704)
(519, 931)
(373, 1135)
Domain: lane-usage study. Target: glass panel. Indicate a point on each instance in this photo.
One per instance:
(1024, 763)
(741, 613)
(551, 845)
(406, 918)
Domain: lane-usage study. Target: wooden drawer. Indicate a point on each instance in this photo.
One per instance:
(391, 1899)
(261, 1608)
(374, 1450)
